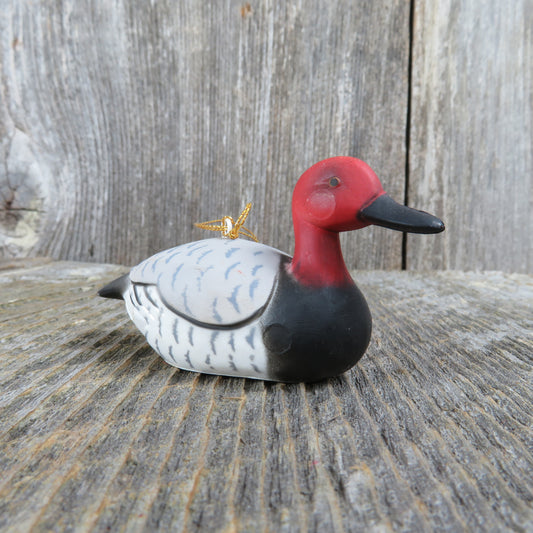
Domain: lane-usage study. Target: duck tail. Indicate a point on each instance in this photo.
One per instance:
(116, 288)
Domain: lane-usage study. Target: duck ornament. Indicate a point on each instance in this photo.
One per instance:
(234, 307)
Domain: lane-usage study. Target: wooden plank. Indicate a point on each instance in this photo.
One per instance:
(471, 131)
(122, 123)
(431, 431)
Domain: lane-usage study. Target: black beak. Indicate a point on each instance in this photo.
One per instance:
(384, 211)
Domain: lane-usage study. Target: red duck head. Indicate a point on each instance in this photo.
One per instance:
(343, 194)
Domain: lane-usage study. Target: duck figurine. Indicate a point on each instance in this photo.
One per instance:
(235, 307)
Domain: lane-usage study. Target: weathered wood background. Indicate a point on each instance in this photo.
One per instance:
(431, 431)
(121, 123)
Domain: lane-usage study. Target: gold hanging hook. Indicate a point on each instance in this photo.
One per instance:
(228, 227)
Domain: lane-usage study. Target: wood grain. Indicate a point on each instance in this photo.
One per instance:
(471, 156)
(431, 431)
(122, 123)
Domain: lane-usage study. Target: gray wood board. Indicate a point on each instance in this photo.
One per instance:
(122, 123)
(432, 431)
(471, 134)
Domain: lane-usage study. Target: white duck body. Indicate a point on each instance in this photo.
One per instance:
(199, 304)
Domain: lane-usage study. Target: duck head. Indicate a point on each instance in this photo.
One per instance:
(342, 194)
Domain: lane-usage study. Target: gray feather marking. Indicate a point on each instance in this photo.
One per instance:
(196, 249)
(170, 257)
(203, 255)
(175, 330)
(175, 275)
(184, 296)
(250, 338)
(214, 335)
(230, 268)
(233, 298)
(188, 359)
(216, 315)
(231, 251)
(253, 286)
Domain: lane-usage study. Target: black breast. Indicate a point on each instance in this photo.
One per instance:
(314, 333)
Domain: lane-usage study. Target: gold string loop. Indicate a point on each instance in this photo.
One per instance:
(228, 227)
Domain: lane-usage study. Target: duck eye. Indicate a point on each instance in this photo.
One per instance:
(334, 182)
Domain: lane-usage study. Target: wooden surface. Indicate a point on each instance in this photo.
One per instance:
(471, 134)
(125, 122)
(122, 123)
(432, 431)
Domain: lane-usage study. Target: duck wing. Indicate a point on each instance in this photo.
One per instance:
(214, 282)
